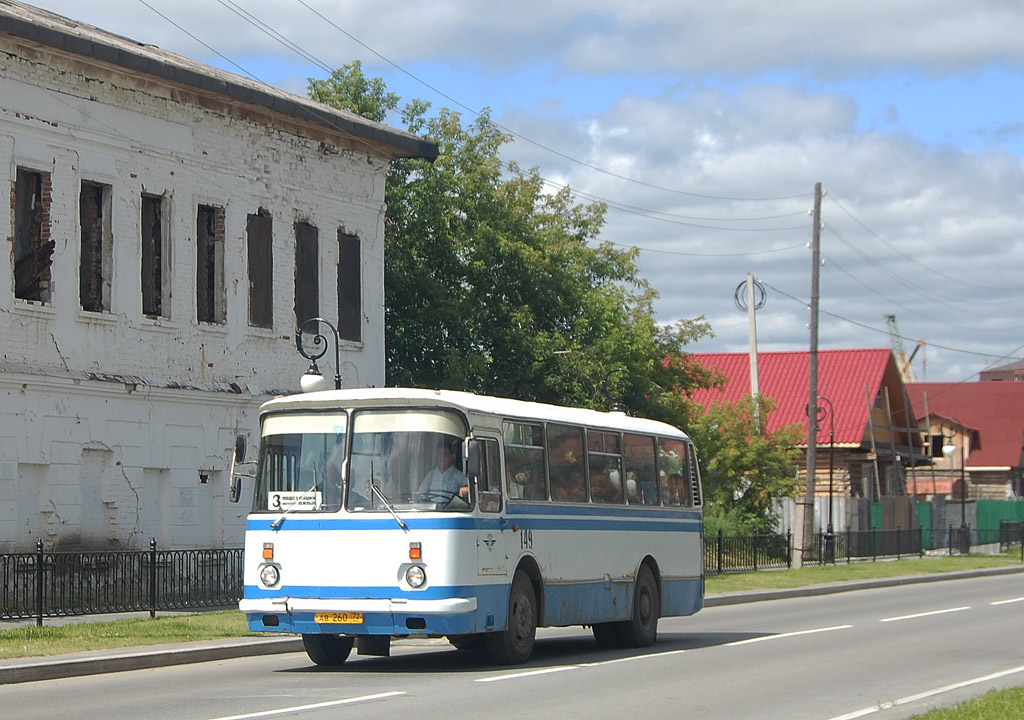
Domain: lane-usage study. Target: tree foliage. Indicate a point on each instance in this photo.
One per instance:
(744, 468)
(494, 285)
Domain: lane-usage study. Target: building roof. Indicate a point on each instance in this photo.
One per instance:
(995, 409)
(62, 34)
(784, 377)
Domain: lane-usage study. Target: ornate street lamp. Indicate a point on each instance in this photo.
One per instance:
(313, 380)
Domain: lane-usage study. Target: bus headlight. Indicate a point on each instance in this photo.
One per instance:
(270, 575)
(416, 576)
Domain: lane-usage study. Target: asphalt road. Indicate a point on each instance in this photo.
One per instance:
(884, 652)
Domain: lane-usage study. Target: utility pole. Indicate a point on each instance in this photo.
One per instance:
(807, 544)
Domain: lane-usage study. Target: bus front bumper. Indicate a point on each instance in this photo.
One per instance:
(361, 616)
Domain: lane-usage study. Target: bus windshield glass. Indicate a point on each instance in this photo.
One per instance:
(301, 464)
(408, 460)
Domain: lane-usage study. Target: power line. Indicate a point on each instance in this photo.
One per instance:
(1010, 356)
(252, 19)
(911, 258)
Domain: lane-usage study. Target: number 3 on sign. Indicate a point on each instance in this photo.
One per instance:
(526, 539)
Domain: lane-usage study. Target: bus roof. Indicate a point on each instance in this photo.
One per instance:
(467, 402)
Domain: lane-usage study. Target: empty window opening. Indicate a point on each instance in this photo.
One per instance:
(350, 310)
(259, 233)
(210, 291)
(154, 256)
(307, 272)
(33, 248)
(94, 262)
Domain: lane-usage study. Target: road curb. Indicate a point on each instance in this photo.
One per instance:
(107, 661)
(832, 588)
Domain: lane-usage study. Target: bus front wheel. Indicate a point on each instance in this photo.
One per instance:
(327, 649)
(642, 629)
(514, 645)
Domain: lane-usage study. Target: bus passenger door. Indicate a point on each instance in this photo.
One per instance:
(490, 534)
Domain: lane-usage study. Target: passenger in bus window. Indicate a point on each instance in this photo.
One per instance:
(444, 482)
(567, 470)
(678, 490)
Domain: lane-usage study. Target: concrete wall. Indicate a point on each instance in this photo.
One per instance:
(116, 426)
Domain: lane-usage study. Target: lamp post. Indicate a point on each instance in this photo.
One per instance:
(313, 379)
(819, 414)
(948, 451)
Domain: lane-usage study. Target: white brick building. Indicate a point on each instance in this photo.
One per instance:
(168, 221)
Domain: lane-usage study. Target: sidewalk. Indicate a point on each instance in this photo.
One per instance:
(18, 670)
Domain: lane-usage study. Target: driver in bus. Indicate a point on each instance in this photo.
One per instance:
(445, 481)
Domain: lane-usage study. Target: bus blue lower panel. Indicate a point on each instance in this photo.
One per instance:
(589, 603)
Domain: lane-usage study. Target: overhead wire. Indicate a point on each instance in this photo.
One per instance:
(252, 19)
(911, 258)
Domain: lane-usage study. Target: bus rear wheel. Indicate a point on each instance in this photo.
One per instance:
(514, 645)
(642, 629)
(327, 649)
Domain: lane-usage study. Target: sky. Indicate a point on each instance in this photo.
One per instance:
(705, 128)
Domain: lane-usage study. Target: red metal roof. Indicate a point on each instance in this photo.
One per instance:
(785, 378)
(995, 409)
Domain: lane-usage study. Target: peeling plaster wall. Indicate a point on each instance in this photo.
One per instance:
(110, 420)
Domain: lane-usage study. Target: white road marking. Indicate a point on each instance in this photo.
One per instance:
(928, 694)
(529, 673)
(789, 634)
(313, 706)
(925, 614)
(1007, 602)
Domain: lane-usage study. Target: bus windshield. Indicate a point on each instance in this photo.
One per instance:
(301, 464)
(412, 457)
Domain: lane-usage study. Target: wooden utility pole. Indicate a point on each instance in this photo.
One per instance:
(807, 539)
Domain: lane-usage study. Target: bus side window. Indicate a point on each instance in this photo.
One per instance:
(605, 466)
(675, 473)
(524, 461)
(566, 468)
(488, 482)
(641, 475)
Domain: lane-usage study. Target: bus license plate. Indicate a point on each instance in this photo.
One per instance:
(344, 618)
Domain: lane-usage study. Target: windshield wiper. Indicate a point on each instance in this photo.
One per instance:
(387, 503)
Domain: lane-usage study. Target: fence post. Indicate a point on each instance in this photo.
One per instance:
(899, 536)
(152, 577)
(755, 550)
(718, 551)
(949, 539)
(789, 548)
(40, 562)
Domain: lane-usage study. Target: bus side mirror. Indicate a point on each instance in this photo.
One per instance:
(473, 458)
(234, 480)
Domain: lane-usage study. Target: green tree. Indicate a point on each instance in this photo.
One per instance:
(495, 286)
(744, 468)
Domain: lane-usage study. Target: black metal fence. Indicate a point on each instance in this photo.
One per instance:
(54, 584)
(747, 553)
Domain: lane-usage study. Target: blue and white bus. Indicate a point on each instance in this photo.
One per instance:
(549, 516)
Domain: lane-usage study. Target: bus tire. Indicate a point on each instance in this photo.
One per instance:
(642, 629)
(514, 645)
(607, 635)
(327, 649)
